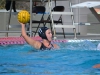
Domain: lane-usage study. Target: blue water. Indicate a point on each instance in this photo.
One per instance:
(71, 59)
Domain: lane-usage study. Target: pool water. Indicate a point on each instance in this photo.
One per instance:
(73, 58)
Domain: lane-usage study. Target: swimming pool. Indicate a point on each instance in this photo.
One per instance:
(73, 58)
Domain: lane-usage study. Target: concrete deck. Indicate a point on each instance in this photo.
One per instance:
(96, 37)
(89, 36)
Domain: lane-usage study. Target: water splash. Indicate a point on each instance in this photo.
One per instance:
(83, 45)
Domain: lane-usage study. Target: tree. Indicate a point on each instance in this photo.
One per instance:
(2, 4)
(19, 5)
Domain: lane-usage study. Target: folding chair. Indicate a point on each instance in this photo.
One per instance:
(57, 9)
(41, 9)
(60, 11)
(38, 10)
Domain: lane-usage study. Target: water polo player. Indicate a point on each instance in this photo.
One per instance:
(45, 34)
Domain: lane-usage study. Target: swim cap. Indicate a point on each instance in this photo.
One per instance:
(42, 31)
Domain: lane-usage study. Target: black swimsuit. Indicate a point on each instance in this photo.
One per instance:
(45, 48)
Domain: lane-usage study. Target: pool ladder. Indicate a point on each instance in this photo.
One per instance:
(60, 25)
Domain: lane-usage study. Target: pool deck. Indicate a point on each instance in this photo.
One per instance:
(97, 37)
(89, 36)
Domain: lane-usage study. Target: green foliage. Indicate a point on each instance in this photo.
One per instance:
(2, 4)
(19, 5)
